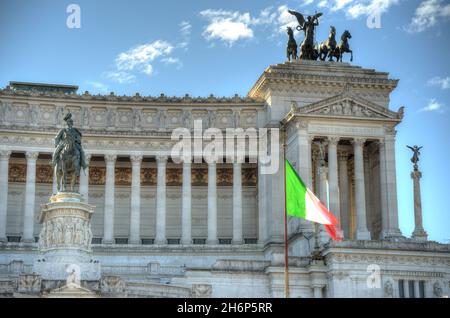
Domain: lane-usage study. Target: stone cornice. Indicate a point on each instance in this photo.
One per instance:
(112, 99)
(318, 73)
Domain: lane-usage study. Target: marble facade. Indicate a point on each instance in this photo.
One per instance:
(162, 229)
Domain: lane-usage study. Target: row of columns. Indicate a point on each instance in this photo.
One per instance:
(135, 212)
(336, 174)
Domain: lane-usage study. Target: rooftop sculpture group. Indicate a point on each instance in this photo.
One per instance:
(311, 51)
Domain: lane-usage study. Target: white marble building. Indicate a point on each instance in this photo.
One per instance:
(162, 229)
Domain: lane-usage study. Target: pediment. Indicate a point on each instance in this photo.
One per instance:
(349, 106)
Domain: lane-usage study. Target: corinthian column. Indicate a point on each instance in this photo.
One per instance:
(135, 214)
(4, 169)
(108, 221)
(362, 233)
(335, 207)
(383, 191)
(212, 204)
(186, 210)
(419, 233)
(30, 189)
(84, 179)
(344, 192)
(161, 201)
(237, 203)
(391, 187)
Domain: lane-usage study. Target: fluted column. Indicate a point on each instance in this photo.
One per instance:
(186, 210)
(212, 204)
(344, 192)
(84, 179)
(4, 169)
(334, 198)
(30, 190)
(419, 233)
(108, 221)
(383, 191)
(135, 213)
(161, 201)
(262, 206)
(323, 237)
(304, 165)
(237, 203)
(391, 185)
(362, 233)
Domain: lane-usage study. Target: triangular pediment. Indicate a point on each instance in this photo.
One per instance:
(345, 105)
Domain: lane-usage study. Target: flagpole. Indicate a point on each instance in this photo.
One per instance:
(286, 247)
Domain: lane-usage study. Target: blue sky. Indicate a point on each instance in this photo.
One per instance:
(221, 47)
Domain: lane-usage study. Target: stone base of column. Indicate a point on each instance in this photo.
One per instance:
(237, 242)
(159, 241)
(186, 241)
(212, 242)
(392, 235)
(28, 240)
(3, 239)
(65, 239)
(109, 242)
(135, 242)
(420, 235)
(363, 235)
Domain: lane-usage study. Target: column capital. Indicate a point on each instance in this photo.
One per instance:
(343, 155)
(136, 158)
(186, 160)
(333, 140)
(301, 124)
(110, 158)
(311, 138)
(32, 155)
(359, 142)
(5, 154)
(381, 142)
(161, 159)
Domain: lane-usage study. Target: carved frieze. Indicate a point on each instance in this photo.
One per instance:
(97, 175)
(199, 177)
(148, 176)
(29, 283)
(174, 177)
(63, 231)
(224, 177)
(123, 176)
(17, 172)
(249, 177)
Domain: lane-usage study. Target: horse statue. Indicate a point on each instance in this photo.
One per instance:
(328, 47)
(343, 47)
(291, 46)
(68, 158)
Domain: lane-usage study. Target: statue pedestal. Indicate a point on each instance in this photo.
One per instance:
(65, 239)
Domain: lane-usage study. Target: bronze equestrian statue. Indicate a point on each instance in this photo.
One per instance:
(292, 45)
(68, 157)
(307, 49)
(328, 47)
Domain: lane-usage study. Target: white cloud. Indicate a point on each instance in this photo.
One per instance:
(357, 8)
(442, 82)
(428, 14)
(141, 59)
(185, 31)
(120, 77)
(173, 61)
(433, 106)
(227, 26)
(140, 56)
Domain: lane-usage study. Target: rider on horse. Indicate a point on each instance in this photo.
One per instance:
(61, 139)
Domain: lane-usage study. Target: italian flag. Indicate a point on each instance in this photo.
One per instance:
(302, 203)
